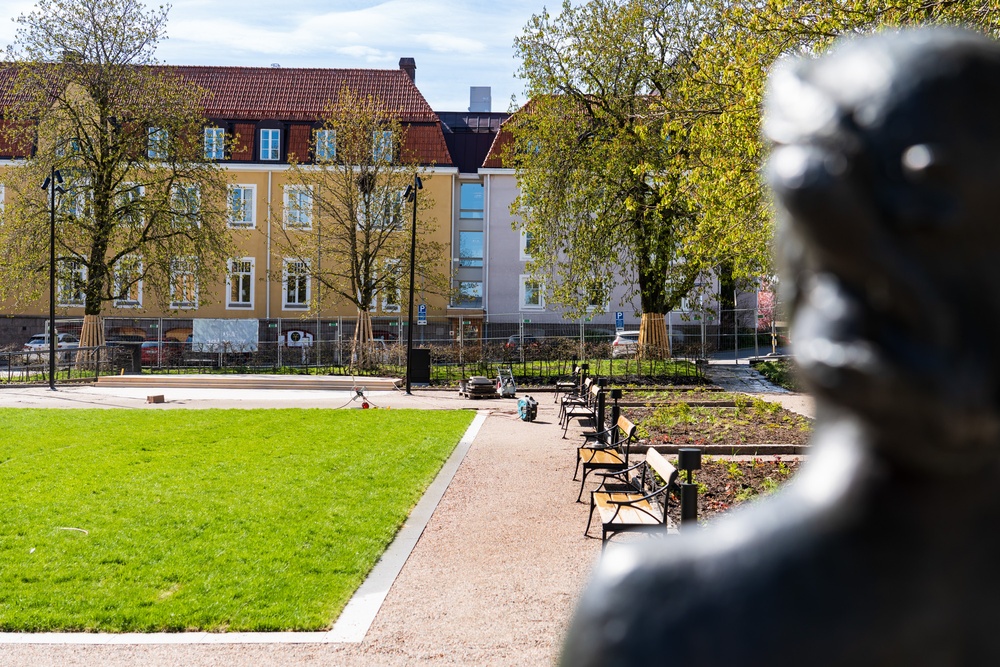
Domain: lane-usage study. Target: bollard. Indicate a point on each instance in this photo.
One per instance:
(602, 383)
(616, 411)
(689, 460)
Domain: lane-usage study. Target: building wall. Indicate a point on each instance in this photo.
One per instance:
(269, 182)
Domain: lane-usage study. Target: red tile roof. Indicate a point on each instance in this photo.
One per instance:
(293, 93)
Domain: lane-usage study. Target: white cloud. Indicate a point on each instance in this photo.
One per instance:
(455, 44)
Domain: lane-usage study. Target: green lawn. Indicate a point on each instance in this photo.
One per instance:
(136, 520)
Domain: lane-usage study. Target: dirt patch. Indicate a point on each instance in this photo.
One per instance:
(727, 483)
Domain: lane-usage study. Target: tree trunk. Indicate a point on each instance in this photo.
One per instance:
(653, 342)
(91, 336)
(363, 354)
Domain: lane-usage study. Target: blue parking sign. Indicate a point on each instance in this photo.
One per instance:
(619, 320)
(422, 314)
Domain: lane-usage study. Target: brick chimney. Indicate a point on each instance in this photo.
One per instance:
(409, 65)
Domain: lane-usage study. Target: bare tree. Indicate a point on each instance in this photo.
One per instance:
(347, 217)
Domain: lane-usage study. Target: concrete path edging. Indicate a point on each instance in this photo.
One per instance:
(353, 623)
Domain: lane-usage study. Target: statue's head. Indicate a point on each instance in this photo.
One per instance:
(885, 165)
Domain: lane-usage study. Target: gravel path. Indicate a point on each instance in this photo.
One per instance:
(492, 581)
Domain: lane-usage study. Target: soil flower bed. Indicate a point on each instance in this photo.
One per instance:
(752, 421)
(727, 483)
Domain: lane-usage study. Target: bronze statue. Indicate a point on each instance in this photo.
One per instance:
(882, 551)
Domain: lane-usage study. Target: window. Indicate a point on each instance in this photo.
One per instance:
(597, 297)
(693, 302)
(66, 147)
(295, 284)
(130, 205)
(72, 279)
(385, 211)
(157, 146)
(326, 145)
(240, 283)
(241, 205)
(185, 205)
(382, 146)
(527, 244)
(73, 203)
(531, 293)
(392, 286)
(470, 294)
(183, 283)
(128, 282)
(215, 143)
(470, 249)
(298, 207)
(270, 144)
(471, 204)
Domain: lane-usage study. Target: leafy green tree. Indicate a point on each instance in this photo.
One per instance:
(640, 149)
(355, 240)
(600, 160)
(141, 204)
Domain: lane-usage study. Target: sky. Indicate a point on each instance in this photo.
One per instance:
(456, 43)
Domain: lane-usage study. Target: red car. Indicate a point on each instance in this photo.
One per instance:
(161, 353)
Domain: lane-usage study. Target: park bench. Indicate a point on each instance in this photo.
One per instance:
(578, 397)
(634, 499)
(570, 386)
(586, 406)
(612, 454)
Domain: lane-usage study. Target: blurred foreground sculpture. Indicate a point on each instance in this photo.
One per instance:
(885, 549)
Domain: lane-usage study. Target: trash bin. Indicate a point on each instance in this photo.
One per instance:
(420, 367)
(134, 359)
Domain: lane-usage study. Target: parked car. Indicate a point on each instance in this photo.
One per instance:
(625, 344)
(527, 340)
(161, 353)
(39, 344)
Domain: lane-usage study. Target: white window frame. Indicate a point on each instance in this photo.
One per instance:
(523, 245)
(457, 302)
(285, 274)
(78, 272)
(384, 206)
(249, 206)
(297, 214)
(135, 302)
(272, 145)
(392, 266)
(74, 201)
(183, 266)
(175, 198)
(133, 192)
(246, 275)
(522, 284)
(382, 146)
(215, 143)
(157, 140)
(326, 145)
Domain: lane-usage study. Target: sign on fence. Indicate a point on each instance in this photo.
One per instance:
(619, 320)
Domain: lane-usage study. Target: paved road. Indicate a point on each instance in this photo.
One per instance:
(737, 377)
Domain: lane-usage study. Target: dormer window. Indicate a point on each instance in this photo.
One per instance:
(215, 143)
(270, 145)
(326, 145)
(157, 146)
(382, 146)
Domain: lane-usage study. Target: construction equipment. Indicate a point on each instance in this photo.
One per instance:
(506, 386)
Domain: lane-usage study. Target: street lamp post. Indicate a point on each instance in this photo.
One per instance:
(51, 186)
(411, 196)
